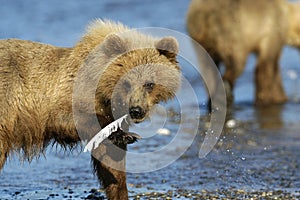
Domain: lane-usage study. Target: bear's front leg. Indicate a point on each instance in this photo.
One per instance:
(109, 165)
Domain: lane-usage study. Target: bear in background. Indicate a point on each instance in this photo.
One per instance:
(37, 84)
(230, 30)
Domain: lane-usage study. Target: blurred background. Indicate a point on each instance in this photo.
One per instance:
(259, 149)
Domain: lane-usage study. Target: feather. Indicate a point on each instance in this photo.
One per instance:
(104, 133)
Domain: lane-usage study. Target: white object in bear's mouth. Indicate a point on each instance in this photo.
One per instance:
(104, 133)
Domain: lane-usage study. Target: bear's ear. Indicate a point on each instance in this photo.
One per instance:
(113, 46)
(168, 46)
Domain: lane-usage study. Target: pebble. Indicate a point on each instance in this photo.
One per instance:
(163, 131)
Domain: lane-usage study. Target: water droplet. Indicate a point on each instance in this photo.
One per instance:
(231, 123)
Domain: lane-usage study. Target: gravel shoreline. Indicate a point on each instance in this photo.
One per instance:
(220, 194)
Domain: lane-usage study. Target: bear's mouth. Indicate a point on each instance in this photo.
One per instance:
(136, 121)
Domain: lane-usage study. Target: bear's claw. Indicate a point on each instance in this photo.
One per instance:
(131, 137)
(121, 137)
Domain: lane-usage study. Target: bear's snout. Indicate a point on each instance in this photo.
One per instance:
(137, 113)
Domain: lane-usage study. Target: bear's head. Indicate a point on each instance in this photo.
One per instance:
(140, 72)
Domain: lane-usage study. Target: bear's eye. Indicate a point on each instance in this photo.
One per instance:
(149, 86)
(127, 85)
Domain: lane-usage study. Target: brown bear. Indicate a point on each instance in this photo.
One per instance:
(37, 85)
(230, 30)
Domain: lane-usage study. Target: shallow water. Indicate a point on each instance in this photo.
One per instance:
(259, 151)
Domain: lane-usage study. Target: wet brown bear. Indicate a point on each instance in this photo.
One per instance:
(37, 84)
(230, 30)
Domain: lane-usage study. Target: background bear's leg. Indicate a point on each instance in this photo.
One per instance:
(109, 165)
(277, 89)
(234, 67)
(212, 78)
(268, 81)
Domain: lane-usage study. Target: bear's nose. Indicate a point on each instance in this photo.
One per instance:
(136, 112)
